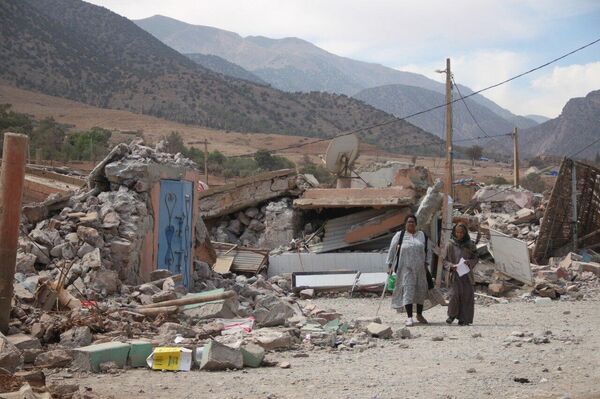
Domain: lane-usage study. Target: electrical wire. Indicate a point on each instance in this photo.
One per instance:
(584, 148)
(471, 114)
(397, 119)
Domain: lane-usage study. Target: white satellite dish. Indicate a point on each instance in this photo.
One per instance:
(341, 154)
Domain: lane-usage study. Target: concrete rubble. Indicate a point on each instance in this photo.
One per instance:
(82, 302)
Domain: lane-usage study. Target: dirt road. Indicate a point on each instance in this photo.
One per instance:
(471, 362)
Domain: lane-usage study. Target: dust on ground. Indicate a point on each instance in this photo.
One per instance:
(477, 361)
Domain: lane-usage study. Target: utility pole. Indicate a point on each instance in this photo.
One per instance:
(574, 202)
(448, 191)
(12, 176)
(516, 156)
(206, 160)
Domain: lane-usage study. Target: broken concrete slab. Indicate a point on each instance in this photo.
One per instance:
(76, 337)
(273, 339)
(54, 359)
(270, 311)
(89, 358)
(317, 198)
(216, 356)
(244, 193)
(23, 341)
(379, 330)
(10, 356)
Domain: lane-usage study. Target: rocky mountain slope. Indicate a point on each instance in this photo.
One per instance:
(402, 100)
(576, 126)
(72, 49)
(293, 64)
(222, 66)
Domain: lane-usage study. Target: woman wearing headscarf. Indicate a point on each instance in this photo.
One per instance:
(411, 260)
(462, 295)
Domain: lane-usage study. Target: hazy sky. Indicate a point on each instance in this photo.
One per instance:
(487, 40)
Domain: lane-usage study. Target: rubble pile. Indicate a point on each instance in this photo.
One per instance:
(265, 226)
(517, 213)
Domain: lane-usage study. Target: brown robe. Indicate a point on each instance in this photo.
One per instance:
(462, 295)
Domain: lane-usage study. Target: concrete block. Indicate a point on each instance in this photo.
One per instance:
(272, 340)
(307, 293)
(24, 341)
(10, 357)
(253, 355)
(379, 330)
(138, 353)
(591, 267)
(89, 358)
(54, 358)
(216, 356)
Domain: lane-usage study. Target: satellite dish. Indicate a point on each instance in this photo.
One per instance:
(341, 154)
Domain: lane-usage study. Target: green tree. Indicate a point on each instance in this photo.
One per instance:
(266, 161)
(175, 143)
(90, 145)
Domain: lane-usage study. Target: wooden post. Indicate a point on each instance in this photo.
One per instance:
(448, 191)
(516, 157)
(14, 155)
(206, 160)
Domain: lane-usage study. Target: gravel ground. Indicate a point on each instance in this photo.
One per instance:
(470, 362)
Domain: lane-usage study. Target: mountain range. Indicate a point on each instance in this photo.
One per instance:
(75, 50)
(577, 125)
(293, 64)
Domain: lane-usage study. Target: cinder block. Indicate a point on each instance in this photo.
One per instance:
(138, 353)
(253, 355)
(90, 357)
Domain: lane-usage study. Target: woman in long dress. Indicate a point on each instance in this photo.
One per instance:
(411, 263)
(462, 296)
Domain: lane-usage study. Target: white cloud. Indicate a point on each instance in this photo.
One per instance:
(552, 90)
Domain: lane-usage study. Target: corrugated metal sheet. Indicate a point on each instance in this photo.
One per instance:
(336, 229)
(246, 260)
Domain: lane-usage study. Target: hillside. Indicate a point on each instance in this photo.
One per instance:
(293, 64)
(577, 125)
(72, 49)
(401, 100)
(222, 66)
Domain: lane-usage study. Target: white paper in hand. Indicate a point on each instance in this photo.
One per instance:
(462, 268)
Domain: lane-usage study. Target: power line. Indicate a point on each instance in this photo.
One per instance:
(397, 119)
(470, 113)
(584, 148)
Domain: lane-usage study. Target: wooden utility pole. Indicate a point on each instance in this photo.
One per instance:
(206, 160)
(516, 157)
(12, 176)
(448, 191)
(574, 203)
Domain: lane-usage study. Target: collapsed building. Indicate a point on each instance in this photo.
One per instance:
(144, 256)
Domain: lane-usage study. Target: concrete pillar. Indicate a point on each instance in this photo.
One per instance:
(14, 155)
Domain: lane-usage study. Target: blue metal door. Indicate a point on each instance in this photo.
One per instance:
(175, 228)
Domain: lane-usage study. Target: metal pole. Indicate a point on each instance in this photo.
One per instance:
(515, 135)
(448, 192)
(14, 155)
(206, 160)
(574, 203)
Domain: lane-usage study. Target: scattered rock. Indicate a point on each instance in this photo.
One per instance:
(379, 330)
(54, 358)
(216, 356)
(76, 337)
(10, 357)
(437, 338)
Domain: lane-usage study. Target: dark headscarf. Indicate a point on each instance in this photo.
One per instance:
(466, 242)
